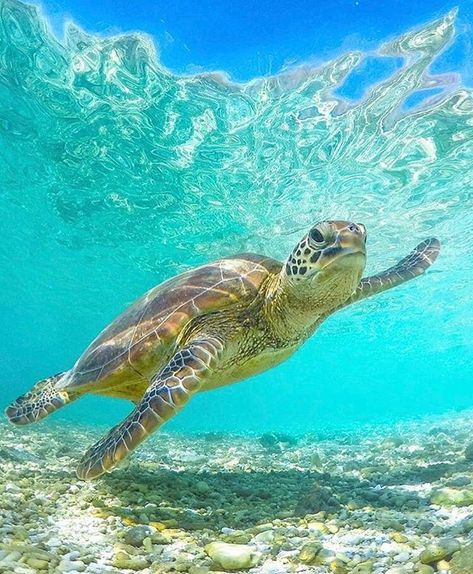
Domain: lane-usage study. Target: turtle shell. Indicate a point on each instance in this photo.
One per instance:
(139, 341)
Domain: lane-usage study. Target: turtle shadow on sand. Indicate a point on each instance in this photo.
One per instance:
(239, 499)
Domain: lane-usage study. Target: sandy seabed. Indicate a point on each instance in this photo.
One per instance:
(383, 500)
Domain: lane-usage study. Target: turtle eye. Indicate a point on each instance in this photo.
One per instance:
(316, 236)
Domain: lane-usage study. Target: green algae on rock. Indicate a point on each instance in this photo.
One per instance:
(452, 497)
(439, 551)
(309, 552)
(462, 561)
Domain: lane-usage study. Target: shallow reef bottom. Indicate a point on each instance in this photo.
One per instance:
(392, 499)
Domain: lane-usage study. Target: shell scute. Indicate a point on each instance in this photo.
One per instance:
(137, 340)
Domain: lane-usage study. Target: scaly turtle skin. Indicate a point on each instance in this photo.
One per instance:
(212, 326)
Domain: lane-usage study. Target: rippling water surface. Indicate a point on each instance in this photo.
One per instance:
(116, 174)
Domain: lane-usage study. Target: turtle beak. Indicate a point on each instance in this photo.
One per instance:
(349, 248)
(353, 241)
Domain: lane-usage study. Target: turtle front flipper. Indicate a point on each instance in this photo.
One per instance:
(43, 399)
(168, 392)
(413, 265)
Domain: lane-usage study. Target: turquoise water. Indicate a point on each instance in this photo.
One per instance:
(117, 174)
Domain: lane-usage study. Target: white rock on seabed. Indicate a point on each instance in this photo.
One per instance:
(232, 556)
(274, 567)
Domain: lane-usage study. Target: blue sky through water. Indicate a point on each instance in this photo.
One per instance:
(253, 38)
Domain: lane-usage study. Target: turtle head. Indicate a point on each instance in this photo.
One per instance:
(325, 267)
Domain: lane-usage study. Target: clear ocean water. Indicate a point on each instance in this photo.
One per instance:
(117, 173)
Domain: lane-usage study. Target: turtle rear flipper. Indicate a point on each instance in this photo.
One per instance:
(43, 399)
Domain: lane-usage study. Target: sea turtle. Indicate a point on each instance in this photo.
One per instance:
(211, 326)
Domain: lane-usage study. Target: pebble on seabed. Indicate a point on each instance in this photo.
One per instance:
(377, 502)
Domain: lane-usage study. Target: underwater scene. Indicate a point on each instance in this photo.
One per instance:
(306, 230)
